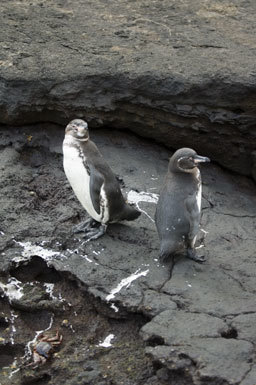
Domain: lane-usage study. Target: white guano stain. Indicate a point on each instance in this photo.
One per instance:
(14, 364)
(13, 289)
(13, 328)
(75, 251)
(126, 282)
(107, 342)
(30, 250)
(49, 290)
(86, 258)
(134, 197)
(114, 307)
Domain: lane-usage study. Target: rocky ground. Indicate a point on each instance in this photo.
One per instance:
(180, 72)
(123, 318)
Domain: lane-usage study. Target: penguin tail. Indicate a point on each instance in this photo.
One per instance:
(129, 213)
(167, 251)
(164, 256)
(167, 259)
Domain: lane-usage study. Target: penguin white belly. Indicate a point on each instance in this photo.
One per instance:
(79, 180)
(199, 197)
(199, 192)
(198, 200)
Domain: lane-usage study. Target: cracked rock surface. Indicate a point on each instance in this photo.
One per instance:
(181, 72)
(123, 318)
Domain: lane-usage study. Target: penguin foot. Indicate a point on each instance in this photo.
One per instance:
(85, 226)
(191, 254)
(95, 233)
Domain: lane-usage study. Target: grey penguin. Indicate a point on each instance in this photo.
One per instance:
(93, 182)
(178, 211)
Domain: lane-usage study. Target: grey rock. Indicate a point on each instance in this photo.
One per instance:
(187, 69)
(174, 365)
(245, 325)
(202, 356)
(250, 377)
(176, 327)
(156, 303)
(233, 365)
(198, 289)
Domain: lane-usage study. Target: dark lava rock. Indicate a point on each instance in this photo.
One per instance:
(182, 73)
(198, 358)
(245, 326)
(119, 302)
(176, 327)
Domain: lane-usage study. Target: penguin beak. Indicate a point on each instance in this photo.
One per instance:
(201, 159)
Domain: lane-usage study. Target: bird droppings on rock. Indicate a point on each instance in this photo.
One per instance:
(135, 198)
(107, 341)
(125, 283)
(13, 289)
(70, 281)
(29, 250)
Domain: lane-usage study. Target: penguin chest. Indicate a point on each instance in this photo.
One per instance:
(199, 191)
(78, 175)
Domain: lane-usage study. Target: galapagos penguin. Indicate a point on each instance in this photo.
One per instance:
(178, 211)
(93, 182)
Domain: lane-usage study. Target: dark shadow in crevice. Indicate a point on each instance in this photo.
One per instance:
(231, 333)
(35, 270)
(155, 341)
(8, 353)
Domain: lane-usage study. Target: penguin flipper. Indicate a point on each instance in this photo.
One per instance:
(193, 214)
(96, 182)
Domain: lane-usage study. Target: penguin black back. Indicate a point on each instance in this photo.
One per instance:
(118, 208)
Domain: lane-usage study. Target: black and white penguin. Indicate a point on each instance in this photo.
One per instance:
(178, 210)
(93, 182)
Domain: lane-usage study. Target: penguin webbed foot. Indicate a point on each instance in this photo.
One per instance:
(95, 233)
(85, 226)
(191, 254)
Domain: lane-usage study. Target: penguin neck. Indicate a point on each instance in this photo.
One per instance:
(176, 169)
(71, 141)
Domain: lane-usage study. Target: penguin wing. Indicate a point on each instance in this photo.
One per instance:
(96, 182)
(193, 214)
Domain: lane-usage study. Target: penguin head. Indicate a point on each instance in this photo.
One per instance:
(78, 128)
(186, 160)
